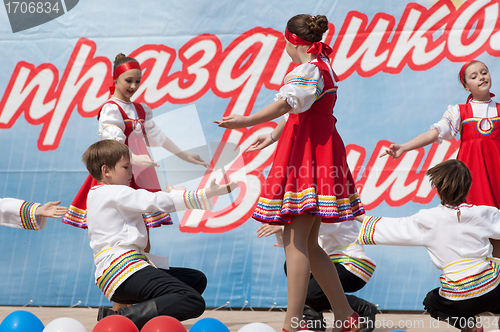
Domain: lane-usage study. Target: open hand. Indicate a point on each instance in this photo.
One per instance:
(267, 229)
(193, 158)
(143, 160)
(218, 190)
(394, 150)
(51, 209)
(261, 142)
(233, 121)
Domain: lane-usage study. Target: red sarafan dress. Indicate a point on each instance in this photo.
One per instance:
(480, 151)
(135, 138)
(309, 172)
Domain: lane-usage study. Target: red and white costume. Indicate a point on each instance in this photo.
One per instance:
(309, 172)
(117, 231)
(17, 213)
(132, 124)
(479, 126)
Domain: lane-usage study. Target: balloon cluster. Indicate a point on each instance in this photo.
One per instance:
(24, 321)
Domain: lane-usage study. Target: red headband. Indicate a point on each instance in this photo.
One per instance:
(462, 72)
(121, 69)
(316, 47)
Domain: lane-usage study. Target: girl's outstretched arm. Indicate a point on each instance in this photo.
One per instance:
(268, 113)
(264, 140)
(396, 150)
(192, 158)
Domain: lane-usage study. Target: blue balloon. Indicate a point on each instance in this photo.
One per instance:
(21, 321)
(208, 325)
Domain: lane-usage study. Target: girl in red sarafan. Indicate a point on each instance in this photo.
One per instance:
(309, 181)
(130, 123)
(478, 122)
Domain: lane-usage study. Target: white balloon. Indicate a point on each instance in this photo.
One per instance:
(257, 327)
(65, 324)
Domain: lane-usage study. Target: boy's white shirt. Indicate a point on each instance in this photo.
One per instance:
(115, 223)
(460, 249)
(18, 213)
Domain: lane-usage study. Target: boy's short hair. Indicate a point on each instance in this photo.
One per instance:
(452, 180)
(105, 152)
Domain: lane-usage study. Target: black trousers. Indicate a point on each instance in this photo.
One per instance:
(317, 299)
(177, 291)
(460, 313)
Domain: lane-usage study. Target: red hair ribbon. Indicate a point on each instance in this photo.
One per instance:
(121, 69)
(316, 47)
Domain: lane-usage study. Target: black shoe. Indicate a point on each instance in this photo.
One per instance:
(105, 311)
(140, 313)
(313, 319)
(365, 310)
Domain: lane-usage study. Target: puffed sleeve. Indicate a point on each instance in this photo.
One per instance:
(408, 231)
(156, 136)
(17, 213)
(449, 125)
(303, 86)
(111, 125)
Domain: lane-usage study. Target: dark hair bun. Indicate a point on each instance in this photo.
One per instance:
(119, 56)
(318, 24)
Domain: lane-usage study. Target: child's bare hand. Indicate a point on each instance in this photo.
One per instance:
(261, 142)
(219, 190)
(266, 230)
(171, 188)
(193, 158)
(51, 209)
(232, 121)
(394, 150)
(143, 160)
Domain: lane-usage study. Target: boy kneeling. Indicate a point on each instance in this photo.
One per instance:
(118, 237)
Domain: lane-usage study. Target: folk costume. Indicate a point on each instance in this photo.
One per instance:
(309, 172)
(478, 123)
(457, 240)
(124, 273)
(17, 213)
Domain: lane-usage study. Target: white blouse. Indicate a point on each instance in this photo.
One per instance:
(17, 213)
(449, 125)
(112, 126)
(303, 85)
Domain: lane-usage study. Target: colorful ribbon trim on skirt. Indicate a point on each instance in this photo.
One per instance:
(326, 207)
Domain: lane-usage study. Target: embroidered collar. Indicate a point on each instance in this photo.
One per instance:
(457, 207)
(481, 102)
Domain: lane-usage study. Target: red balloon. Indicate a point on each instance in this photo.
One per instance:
(163, 324)
(115, 323)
